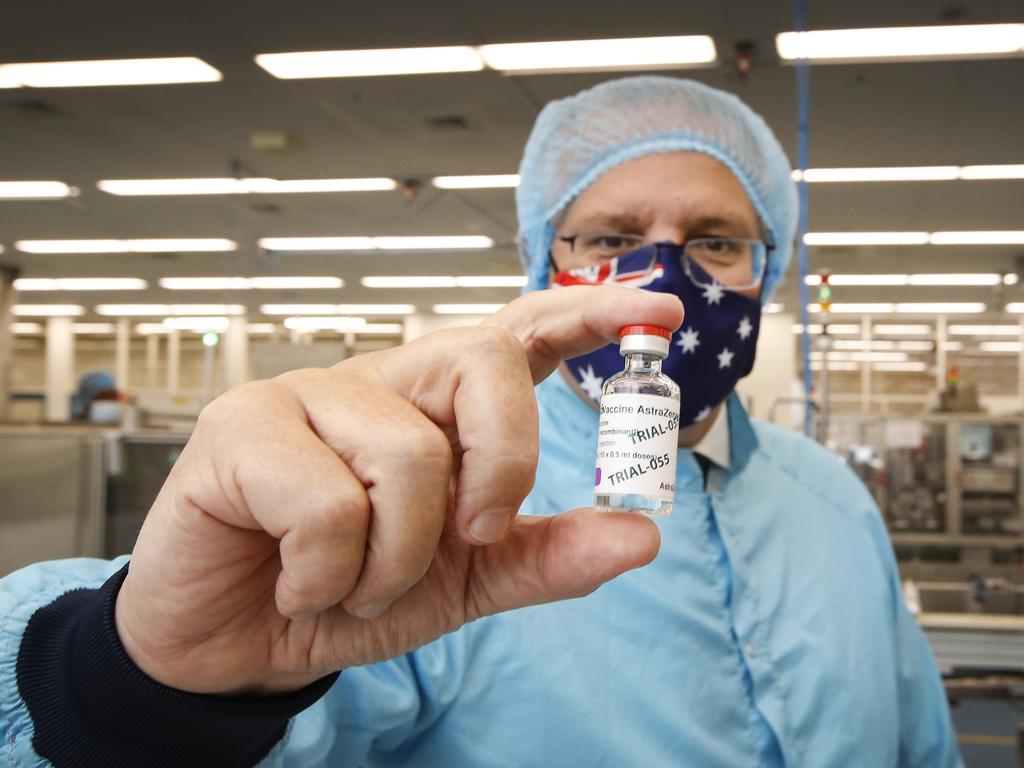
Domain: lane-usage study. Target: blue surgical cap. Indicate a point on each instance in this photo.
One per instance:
(577, 139)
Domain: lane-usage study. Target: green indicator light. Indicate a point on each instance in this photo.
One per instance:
(825, 292)
(210, 339)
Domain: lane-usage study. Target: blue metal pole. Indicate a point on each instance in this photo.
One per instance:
(803, 100)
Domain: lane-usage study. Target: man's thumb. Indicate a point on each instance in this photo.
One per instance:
(543, 559)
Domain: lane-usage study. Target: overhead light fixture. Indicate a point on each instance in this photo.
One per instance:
(324, 323)
(911, 366)
(47, 310)
(600, 55)
(384, 329)
(98, 328)
(1011, 278)
(156, 310)
(896, 43)
(866, 238)
(973, 172)
(774, 308)
(148, 329)
(836, 365)
(884, 308)
(862, 357)
(197, 324)
(246, 283)
(978, 238)
(218, 186)
(854, 280)
(376, 309)
(912, 173)
(261, 328)
(407, 243)
(904, 329)
(145, 245)
(34, 190)
(976, 278)
(371, 62)
(26, 329)
(337, 309)
(1015, 307)
(444, 281)
(1001, 346)
(491, 181)
(75, 74)
(984, 330)
(80, 284)
(466, 309)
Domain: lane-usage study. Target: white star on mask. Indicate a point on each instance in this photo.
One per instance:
(725, 358)
(702, 414)
(591, 382)
(746, 328)
(688, 341)
(714, 292)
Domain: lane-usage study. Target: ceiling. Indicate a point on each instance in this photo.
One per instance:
(922, 113)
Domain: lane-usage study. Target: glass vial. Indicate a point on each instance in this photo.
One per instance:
(638, 434)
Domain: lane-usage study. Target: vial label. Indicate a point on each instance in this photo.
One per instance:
(637, 440)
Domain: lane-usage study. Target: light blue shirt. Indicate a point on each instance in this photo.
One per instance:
(769, 631)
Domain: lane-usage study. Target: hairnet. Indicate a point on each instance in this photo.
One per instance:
(577, 139)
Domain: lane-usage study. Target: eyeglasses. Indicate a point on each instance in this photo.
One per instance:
(733, 262)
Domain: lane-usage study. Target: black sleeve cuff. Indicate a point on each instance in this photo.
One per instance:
(92, 707)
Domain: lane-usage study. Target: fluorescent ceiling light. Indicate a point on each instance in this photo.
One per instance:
(618, 54)
(491, 181)
(337, 309)
(774, 308)
(912, 173)
(889, 43)
(370, 63)
(908, 367)
(376, 309)
(156, 310)
(976, 278)
(962, 307)
(859, 280)
(390, 329)
(147, 329)
(150, 245)
(1001, 346)
(424, 281)
(34, 190)
(880, 308)
(1011, 278)
(80, 284)
(978, 238)
(245, 283)
(466, 309)
(444, 281)
(47, 310)
(198, 324)
(817, 365)
(261, 327)
(1015, 307)
(412, 243)
(984, 330)
(73, 74)
(866, 238)
(215, 186)
(324, 323)
(973, 172)
(906, 329)
(26, 328)
(878, 345)
(92, 327)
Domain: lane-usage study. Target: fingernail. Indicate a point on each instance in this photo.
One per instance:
(370, 610)
(489, 526)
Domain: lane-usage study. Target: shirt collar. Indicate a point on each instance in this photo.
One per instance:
(715, 444)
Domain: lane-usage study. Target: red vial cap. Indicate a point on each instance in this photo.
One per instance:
(645, 330)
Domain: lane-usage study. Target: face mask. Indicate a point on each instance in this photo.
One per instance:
(712, 350)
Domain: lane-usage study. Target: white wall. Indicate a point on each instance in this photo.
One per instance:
(774, 368)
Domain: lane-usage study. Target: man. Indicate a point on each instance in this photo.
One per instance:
(355, 518)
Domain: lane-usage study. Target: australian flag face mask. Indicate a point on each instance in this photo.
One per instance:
(711, 351)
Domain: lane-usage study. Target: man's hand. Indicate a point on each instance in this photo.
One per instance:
(331, 518)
